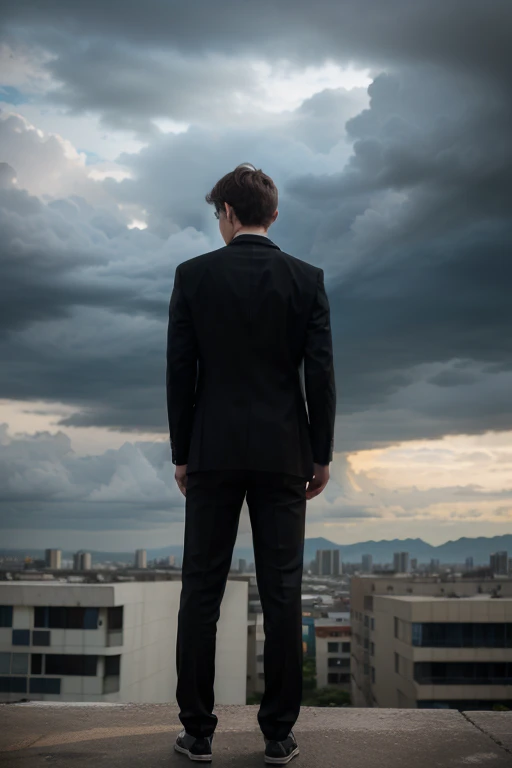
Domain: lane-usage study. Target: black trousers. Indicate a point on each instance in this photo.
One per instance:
(277, 509)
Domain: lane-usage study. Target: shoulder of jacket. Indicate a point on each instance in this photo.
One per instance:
(196, 261)
(310, 269)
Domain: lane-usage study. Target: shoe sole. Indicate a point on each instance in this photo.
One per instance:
(282, 760)
(191, 756)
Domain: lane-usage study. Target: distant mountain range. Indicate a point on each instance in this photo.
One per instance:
(382, 551)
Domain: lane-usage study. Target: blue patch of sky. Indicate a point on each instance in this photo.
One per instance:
(91, 157)
(12, 95)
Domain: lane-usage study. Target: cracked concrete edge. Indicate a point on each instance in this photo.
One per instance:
(497, 726)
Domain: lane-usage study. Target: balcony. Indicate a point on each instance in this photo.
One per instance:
(130, 735)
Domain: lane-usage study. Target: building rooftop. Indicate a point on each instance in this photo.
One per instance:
(128, 735)
(439, 598)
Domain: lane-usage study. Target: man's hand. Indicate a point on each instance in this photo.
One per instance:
(181, 477)
(319, 481)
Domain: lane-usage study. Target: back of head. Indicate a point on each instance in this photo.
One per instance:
(251, 193)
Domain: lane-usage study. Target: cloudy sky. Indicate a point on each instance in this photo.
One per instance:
(387, 128)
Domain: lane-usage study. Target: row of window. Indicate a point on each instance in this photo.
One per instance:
(333, 678)
(462, 635)
(338, 662)
(463, 672)
(32, 685)
(57, 664)
(335, 648)
(59, 617)
(22, 637)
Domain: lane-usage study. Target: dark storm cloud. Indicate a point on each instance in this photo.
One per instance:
(413, 235)
(43, 484)
(130, 62)
(412, 227)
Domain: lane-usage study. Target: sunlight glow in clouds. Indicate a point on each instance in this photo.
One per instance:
(482, 460)
(284, 87)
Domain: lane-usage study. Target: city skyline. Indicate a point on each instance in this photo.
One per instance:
(389, 143)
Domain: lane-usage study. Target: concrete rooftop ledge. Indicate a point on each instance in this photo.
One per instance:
(35, 734)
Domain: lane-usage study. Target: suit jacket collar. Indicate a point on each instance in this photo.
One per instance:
(252, 238)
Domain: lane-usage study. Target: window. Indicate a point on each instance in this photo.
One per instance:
(373, 674)
(345, 647)
(44, 685)
(21, 637)
(372, 649)
(70, 664)
(397, 663)
(463, 672)
(115, 618)
(19, 664)
(339, 662)
(5, 615)
(396, 627)
(36, 664)
(334, 634)
(40, 638)
(333, 647)
(366, 669)
(13, 684)
(462, 635)
(61, 617)
(333, 678)
(5, 663)
(259, 657)
(366, 621)
(368, 603)
(372, 623)
(112, 665)
(261, 675)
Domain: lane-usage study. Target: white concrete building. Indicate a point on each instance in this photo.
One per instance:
(333, 649)
(109, 642)
(141, 558)
(53, 558)
(82, 561)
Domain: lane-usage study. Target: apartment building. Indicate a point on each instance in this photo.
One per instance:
(255, 646)
(333, 651)
(328, 562)
(431, 643)
(112, 642)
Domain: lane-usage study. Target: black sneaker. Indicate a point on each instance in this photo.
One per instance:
(281, 752)
(199, 750)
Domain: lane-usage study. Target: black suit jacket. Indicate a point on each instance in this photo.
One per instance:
(242, 320)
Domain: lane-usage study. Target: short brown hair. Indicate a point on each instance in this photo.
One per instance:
(251, 193)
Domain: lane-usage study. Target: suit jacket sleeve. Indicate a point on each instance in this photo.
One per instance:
(319, 380)
(181, 373)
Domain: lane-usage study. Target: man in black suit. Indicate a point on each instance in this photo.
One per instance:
(242, 321)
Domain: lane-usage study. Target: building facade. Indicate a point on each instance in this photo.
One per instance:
(141, 558)
(401, 562)
(333, 650)
(499, 563)
(328, 562)
(82, 561)
(109, 642)
(428, 642)
(53, 558)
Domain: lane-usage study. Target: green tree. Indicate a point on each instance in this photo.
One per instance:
(326, 697)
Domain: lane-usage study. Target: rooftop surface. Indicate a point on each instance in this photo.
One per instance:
(446, 598)
(65, 735)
